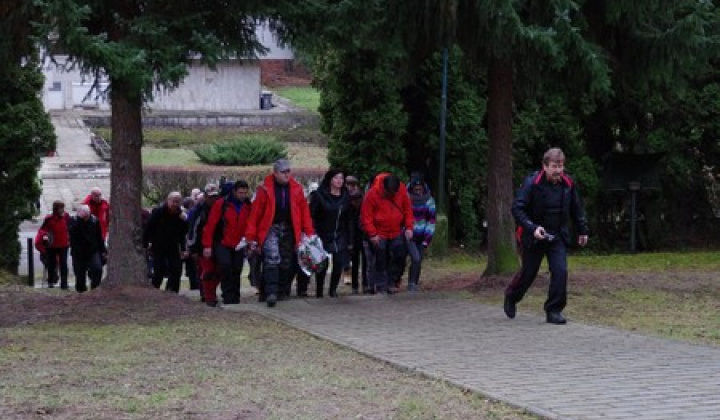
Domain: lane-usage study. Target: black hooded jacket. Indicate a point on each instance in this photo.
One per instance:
(332, 218)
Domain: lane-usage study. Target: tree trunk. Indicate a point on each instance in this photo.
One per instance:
(126, 263)
(501, 244)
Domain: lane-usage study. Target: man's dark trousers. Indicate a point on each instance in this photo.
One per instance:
(90, 266)
(167, 263)
(389, 257)
(229, 263)
(557, 261)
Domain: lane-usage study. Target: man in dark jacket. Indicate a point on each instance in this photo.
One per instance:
(87, 247)
(544, 207)
(164, 238)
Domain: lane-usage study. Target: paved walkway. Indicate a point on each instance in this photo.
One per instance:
(572, 372)
(575, 371)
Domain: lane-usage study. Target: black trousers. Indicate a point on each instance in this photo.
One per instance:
(84, 267)
(167, 263)
(55, 257)
(389, 259)
(556, 253)
(339, 259)
(229, 264)
(357, 254)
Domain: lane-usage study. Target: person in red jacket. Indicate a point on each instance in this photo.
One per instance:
(223, 231)
(387, 219)
(280, 213)
(100, 208)
(57, 241)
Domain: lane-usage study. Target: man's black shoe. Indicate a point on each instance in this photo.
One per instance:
(556, 318)
(509, 307)
(271, 300)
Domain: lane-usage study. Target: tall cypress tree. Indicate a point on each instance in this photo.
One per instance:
(25, 129)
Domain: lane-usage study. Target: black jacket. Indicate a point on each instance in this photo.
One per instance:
(331, 218)
(86, 237)
(165, 231)
(528, 209)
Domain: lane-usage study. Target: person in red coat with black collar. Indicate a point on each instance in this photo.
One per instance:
(279, 215)
(387, 219)
(57, 241)
(223, 231)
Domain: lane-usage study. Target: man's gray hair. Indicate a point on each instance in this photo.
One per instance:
(553, 155)
(83, 210)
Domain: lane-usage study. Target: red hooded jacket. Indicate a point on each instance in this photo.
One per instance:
(386, 216)
(263, 211)
(57, 227)
(234, 224)
(100, 210)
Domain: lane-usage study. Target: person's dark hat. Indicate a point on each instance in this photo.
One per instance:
(281, 165)
(351, 180)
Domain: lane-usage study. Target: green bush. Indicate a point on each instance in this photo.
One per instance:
(243, 152)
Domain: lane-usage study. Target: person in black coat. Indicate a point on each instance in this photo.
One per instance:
(164, 239)
(330, 212)
(544, 207)
(87, 248)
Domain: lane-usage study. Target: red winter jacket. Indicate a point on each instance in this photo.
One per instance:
(57, 227)
(100, 210)
(233, 227)
(383, 216)
(263, 211)
(39, 244)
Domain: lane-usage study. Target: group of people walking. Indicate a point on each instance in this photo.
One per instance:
(369, 232)
(83, 236)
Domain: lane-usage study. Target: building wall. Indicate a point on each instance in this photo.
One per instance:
(233, 86)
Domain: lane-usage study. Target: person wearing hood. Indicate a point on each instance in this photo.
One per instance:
(387, 219)
(423, 207)
(330, 213)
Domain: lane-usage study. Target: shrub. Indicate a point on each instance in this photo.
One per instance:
(244, 152)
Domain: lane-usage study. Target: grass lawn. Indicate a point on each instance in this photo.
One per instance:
(305, 97)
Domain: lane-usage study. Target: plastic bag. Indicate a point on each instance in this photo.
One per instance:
(312, 257)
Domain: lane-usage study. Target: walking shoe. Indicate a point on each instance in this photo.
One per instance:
(355, 291)
(509, 307)
(212, 304)
(271, 300)
(556, 318)
(413, 287)
(333, 294)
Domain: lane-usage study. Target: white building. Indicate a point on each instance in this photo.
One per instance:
(233, 86)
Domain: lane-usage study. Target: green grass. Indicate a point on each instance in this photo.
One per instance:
(305, 97)
(169, 157)
(648, 261)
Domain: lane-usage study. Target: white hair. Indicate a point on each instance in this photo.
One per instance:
(83, 210)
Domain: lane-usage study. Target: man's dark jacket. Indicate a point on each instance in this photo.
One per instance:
(528, 207)
(86, 237)
(165, 231)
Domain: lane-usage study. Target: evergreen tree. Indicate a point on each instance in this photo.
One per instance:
(140, 45)
(25, 129)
